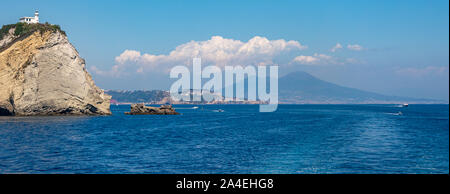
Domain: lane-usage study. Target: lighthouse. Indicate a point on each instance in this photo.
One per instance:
(36, 16)
(31, 20)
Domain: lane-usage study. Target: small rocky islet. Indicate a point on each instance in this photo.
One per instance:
(141, 109)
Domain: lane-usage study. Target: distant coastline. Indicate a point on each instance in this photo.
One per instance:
(294, 88)
(149, 97)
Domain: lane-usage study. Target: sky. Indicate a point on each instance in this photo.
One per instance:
(398, 47)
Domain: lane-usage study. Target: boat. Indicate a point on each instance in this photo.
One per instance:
(405, 105)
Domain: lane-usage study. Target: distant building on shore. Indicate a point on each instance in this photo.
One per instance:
(31, 20)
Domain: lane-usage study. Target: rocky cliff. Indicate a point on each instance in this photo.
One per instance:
(41, 73)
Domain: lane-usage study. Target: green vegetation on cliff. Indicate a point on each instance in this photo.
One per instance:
(24, 28)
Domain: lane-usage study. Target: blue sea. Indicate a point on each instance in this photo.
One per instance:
(294, 139)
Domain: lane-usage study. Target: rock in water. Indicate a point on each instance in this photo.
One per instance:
(41, 73)
(141, 109)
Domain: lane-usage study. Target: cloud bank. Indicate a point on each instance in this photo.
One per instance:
(221, 51)
(215, 51)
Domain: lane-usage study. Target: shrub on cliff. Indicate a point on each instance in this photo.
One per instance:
(5, 29)
(24, 28)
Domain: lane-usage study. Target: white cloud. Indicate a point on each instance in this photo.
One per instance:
(316, 59)
(322, 59)
(423, 71)
(128, 55)
(216, 51)
(306, 59)
(337, 47)
(355, 47)
(114, 72)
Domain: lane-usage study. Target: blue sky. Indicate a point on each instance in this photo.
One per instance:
(391, 47)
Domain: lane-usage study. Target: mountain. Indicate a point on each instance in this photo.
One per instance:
(303, 88)
(41, 73)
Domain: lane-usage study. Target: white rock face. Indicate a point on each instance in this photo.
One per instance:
(43, 74)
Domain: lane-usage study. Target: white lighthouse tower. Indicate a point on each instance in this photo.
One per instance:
(31, 20)
(36, 16)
